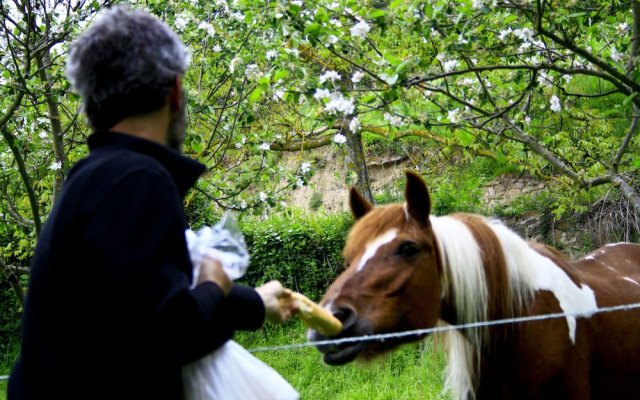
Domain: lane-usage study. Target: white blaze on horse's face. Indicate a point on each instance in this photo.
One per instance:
(372, 247)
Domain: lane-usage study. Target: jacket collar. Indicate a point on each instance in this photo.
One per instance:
(183, 170)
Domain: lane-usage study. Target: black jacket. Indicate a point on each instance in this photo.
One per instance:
(109, 312)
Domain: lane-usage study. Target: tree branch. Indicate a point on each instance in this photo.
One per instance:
(13, 281)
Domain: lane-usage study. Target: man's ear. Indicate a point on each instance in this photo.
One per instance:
(175, 95)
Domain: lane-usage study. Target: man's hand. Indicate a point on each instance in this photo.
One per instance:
(211, 271)
(277, 301)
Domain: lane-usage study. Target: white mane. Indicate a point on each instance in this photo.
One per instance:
(465, 285)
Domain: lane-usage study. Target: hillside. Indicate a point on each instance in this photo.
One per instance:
(509, 197)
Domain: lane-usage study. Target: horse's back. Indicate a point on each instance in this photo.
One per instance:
(611, 262)
(613, 273)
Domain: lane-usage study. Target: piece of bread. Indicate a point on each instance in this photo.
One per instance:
(316, 317)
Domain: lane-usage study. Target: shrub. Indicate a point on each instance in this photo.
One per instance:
(301, 250)
(315, 202)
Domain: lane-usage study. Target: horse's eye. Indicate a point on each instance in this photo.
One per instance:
(407, 249)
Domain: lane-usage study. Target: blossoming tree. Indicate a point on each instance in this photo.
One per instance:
(547, 86)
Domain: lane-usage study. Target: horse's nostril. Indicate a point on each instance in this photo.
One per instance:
(347, 315)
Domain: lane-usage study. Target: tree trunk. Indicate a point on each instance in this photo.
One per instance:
(43, 61)
(26, 179)
(356, 162)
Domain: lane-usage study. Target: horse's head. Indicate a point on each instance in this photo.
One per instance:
(392, 280)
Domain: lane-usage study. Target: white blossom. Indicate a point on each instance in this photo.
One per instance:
(305, 167)
(543, 79)
(335, 23)
(262, 196)
(299, 182)
(321, 94)
(216, 48)
(453, 116)
(525, 34)
(265, 146)
(338, 103)
(524, 46)
(293, 52)
(339, 138)
(271, 54)
(329, 75)
(615, 56)
(622, 28)
(278, 94)
(357, 76)
(207, 27)
(297, 3)
(467, 82)
(331, 39)
(393, 120)
(504, 33)
(238, 16)
(449, 65)
(43, 135)
(252, 71)
(180, 22)
(243, 204)
(360, 29)
(478, 4)
(555, 104)
(354, 125)
(232, 64)
(389, 80)
(527, 120)
(55, 166)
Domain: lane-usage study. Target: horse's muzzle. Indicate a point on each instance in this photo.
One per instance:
(341, 353)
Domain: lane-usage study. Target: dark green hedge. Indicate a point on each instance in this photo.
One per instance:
(302, 251)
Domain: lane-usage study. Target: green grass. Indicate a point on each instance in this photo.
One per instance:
(7, 359)
(413, 371)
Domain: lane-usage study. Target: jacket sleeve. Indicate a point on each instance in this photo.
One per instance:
(137, 235)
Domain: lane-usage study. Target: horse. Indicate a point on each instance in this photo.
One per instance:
(409, 270)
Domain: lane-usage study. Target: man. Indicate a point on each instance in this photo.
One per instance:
(109, 312)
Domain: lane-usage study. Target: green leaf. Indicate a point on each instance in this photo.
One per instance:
(406, 66)
(313, 29)
(509, 19)
(369, 98)
(279, 74)
(394, 61)
(466, 139)
(377, 13)
(628, 99)
(256, 95)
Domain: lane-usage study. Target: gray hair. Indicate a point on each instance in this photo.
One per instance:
(125, 64)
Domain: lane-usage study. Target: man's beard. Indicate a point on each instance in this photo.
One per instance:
(176, 131)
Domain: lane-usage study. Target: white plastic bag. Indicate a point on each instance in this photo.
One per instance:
(230, 372)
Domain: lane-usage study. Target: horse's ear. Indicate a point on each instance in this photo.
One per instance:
(418, 199)
(359, 205)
